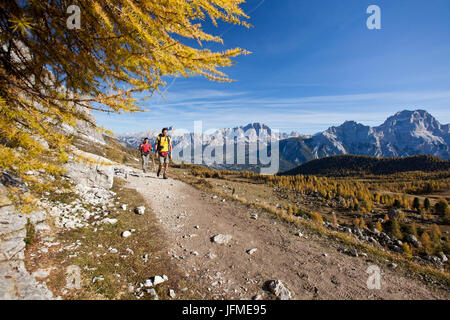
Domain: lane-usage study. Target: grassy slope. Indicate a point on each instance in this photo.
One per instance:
(259, 195)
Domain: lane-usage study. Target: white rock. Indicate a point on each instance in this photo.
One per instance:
(42, 273)
(222, 238)
(126, 234)
(153, 293)
(172, 293)
(158, 280)
(252, 251)
(124, 207)
(140, 210)
(95, 279)
(148, 283)
(113, 250)
(109, 221)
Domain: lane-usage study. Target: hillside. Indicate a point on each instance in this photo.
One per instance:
(350, 165)
(207, 235)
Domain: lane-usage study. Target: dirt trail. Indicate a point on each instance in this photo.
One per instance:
(311, 268)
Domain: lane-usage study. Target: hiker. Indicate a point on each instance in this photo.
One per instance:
(145, 149)
(163, 150)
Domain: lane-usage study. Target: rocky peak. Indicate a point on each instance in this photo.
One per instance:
(412, 119)
(257, 126)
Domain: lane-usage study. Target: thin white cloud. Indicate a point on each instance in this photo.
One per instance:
(309, 114)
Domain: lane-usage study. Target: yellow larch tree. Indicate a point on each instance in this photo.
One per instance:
(50, 74)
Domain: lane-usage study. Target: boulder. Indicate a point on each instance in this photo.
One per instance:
(95, 175)
(413, 240)
(98, 173)
(221, 238)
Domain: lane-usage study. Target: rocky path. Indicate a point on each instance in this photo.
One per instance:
(260, 250)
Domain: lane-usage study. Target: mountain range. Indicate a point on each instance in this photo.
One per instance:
(406, 133)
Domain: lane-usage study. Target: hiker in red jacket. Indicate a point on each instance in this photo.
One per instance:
(145, 149)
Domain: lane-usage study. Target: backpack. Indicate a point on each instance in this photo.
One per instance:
(159, 141)
(141, 148)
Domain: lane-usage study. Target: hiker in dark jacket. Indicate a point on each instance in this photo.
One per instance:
(145, 149)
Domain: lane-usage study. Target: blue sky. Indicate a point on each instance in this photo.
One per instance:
(315, 64)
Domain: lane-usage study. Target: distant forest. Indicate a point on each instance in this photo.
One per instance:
(351, 165)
